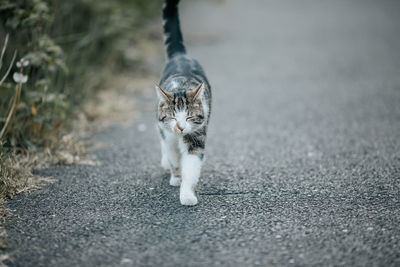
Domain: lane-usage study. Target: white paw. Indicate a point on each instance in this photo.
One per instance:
(187, 198)
(174, 181)
(164, 163)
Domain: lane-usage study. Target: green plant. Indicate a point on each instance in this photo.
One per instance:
(67, 43)
(30, 118)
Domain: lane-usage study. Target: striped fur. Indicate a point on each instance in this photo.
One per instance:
(183, 111)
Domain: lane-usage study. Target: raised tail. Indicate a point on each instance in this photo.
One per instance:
(172, 31)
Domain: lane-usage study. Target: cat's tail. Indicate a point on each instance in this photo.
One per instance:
(172, 31)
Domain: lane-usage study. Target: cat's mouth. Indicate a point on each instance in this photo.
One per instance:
(181, 131)
(178, 130)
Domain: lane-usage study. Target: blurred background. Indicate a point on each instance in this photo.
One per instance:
(71, 51)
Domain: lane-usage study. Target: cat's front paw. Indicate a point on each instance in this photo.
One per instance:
(187, 198)
(175, 181)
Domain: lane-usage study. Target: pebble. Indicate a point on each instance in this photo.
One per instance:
(126, 261)
(142, 127)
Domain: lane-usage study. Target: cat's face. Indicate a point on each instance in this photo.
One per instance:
(181, 112)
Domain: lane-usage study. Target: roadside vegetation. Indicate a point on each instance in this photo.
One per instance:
(55, 56)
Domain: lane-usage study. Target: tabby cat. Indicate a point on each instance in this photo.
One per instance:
(184, 109)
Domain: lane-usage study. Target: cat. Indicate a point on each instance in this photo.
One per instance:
(184, 106)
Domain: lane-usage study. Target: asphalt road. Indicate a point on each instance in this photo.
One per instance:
(303, 154)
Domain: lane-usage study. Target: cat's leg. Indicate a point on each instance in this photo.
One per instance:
(192, 149)
(173, 158)
(175, 179)
(164, 156)
(170, 158)
(191, 166)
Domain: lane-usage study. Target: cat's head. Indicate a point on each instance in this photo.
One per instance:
(181, 111)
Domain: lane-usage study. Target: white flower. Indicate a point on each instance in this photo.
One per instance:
(20, 78)
(22, 62)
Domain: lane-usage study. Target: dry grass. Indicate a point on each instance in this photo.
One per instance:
(16, 177)
(16, 173)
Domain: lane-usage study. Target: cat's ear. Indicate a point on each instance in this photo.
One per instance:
(163, 95)
(197, 92)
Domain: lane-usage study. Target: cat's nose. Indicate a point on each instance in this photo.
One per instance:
(179, 127)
